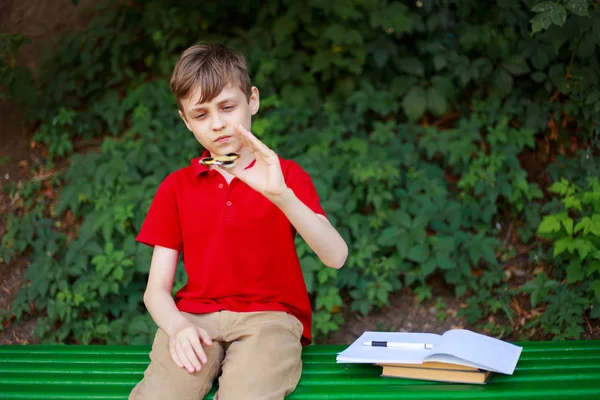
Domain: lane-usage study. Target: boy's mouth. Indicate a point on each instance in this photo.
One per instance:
(222, 139)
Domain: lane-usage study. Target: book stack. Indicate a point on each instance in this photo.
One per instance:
(458, 356)
(434, 371)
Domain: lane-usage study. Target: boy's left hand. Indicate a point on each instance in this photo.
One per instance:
(265, 176)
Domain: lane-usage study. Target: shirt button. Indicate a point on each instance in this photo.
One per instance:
(229, 203)
(220, 186)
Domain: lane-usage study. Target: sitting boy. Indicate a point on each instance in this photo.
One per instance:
(244, 313)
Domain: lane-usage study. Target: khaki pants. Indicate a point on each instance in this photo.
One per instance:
(257, 354)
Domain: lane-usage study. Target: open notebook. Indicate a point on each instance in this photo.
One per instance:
(456, 346)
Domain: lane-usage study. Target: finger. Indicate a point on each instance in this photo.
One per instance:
(188, 349)
(236, 171)
(184, 360)
(198, 350)
(254, 142)
(241, 134)
(205, 337)
(174, 357)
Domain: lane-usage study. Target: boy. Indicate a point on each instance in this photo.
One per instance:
(244, 313)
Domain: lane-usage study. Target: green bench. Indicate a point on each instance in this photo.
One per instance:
(546, 370)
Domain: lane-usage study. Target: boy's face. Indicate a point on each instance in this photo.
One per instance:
(213, 122)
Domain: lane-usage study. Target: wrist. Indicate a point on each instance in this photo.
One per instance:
(282, 198)
(176, 325)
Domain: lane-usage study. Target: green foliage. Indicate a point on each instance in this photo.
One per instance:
(553, 13)
(440, 309)
(15, 81)
(428, 110)
(574, 230)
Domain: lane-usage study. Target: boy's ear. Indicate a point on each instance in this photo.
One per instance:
(254, 101)
(185, 121)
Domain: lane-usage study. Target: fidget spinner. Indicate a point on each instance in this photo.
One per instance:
(226, 161)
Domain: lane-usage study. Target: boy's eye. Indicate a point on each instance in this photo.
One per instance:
(199, 116)
(228, 108)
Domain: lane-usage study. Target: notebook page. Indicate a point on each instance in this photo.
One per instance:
(484, 351)
(450, 359)
(357, 352)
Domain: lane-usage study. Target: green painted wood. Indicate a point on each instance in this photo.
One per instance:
(546, 370)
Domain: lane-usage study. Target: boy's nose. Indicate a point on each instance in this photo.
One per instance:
(217, 123)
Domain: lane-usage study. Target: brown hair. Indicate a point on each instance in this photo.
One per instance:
(210, 67)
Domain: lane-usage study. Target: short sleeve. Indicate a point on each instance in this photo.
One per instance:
(302, 185)
(161, 226)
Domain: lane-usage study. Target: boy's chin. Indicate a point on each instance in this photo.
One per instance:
(223, 151)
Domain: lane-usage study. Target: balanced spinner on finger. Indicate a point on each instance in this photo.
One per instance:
(226, 161)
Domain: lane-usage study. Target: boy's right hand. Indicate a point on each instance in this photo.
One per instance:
(185, 346)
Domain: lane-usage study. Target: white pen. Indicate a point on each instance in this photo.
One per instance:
(400, 345)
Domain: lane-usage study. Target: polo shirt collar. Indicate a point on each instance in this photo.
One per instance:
(197, 166)
(201, 168)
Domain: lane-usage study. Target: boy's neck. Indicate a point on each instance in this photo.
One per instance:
(246, 158)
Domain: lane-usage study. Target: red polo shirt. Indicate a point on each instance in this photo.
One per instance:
(238, 247)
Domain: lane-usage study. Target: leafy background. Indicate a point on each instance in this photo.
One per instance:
(448, 140)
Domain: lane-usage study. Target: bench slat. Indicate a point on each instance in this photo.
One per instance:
(370, 377)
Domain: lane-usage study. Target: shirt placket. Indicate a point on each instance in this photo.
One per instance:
(227, 204)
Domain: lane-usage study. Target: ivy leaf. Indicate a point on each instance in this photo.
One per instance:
(579, 7)
(102, 329)
(428, 267)
(596, 288)
(336, 33)
(561, 245)
(539, 58)
(572, 203)
(541, 21)
(568, 223)
(393, 18)
(595, 225)
(574, 272)
(489, 255)
(444, 86)
(557, 37)
(414, 103)
(549, 224)
(516, 65)
(502, 81)
(444, 262)
(539, 288)
(586, 46)
(401, 84)
(439, 62)
(445, 244)
(583, 224)
(436, 103)
(543, 7)
(560, 187)
(412, 66)
(593, 267)
(389, 236)
(418, 253)
(582, 246)
(381, 50)
(559, 15)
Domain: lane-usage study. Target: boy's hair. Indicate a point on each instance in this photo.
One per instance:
(209, 67)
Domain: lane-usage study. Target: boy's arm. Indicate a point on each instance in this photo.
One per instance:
(315, 229)
(184, 337)
(266, 178)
